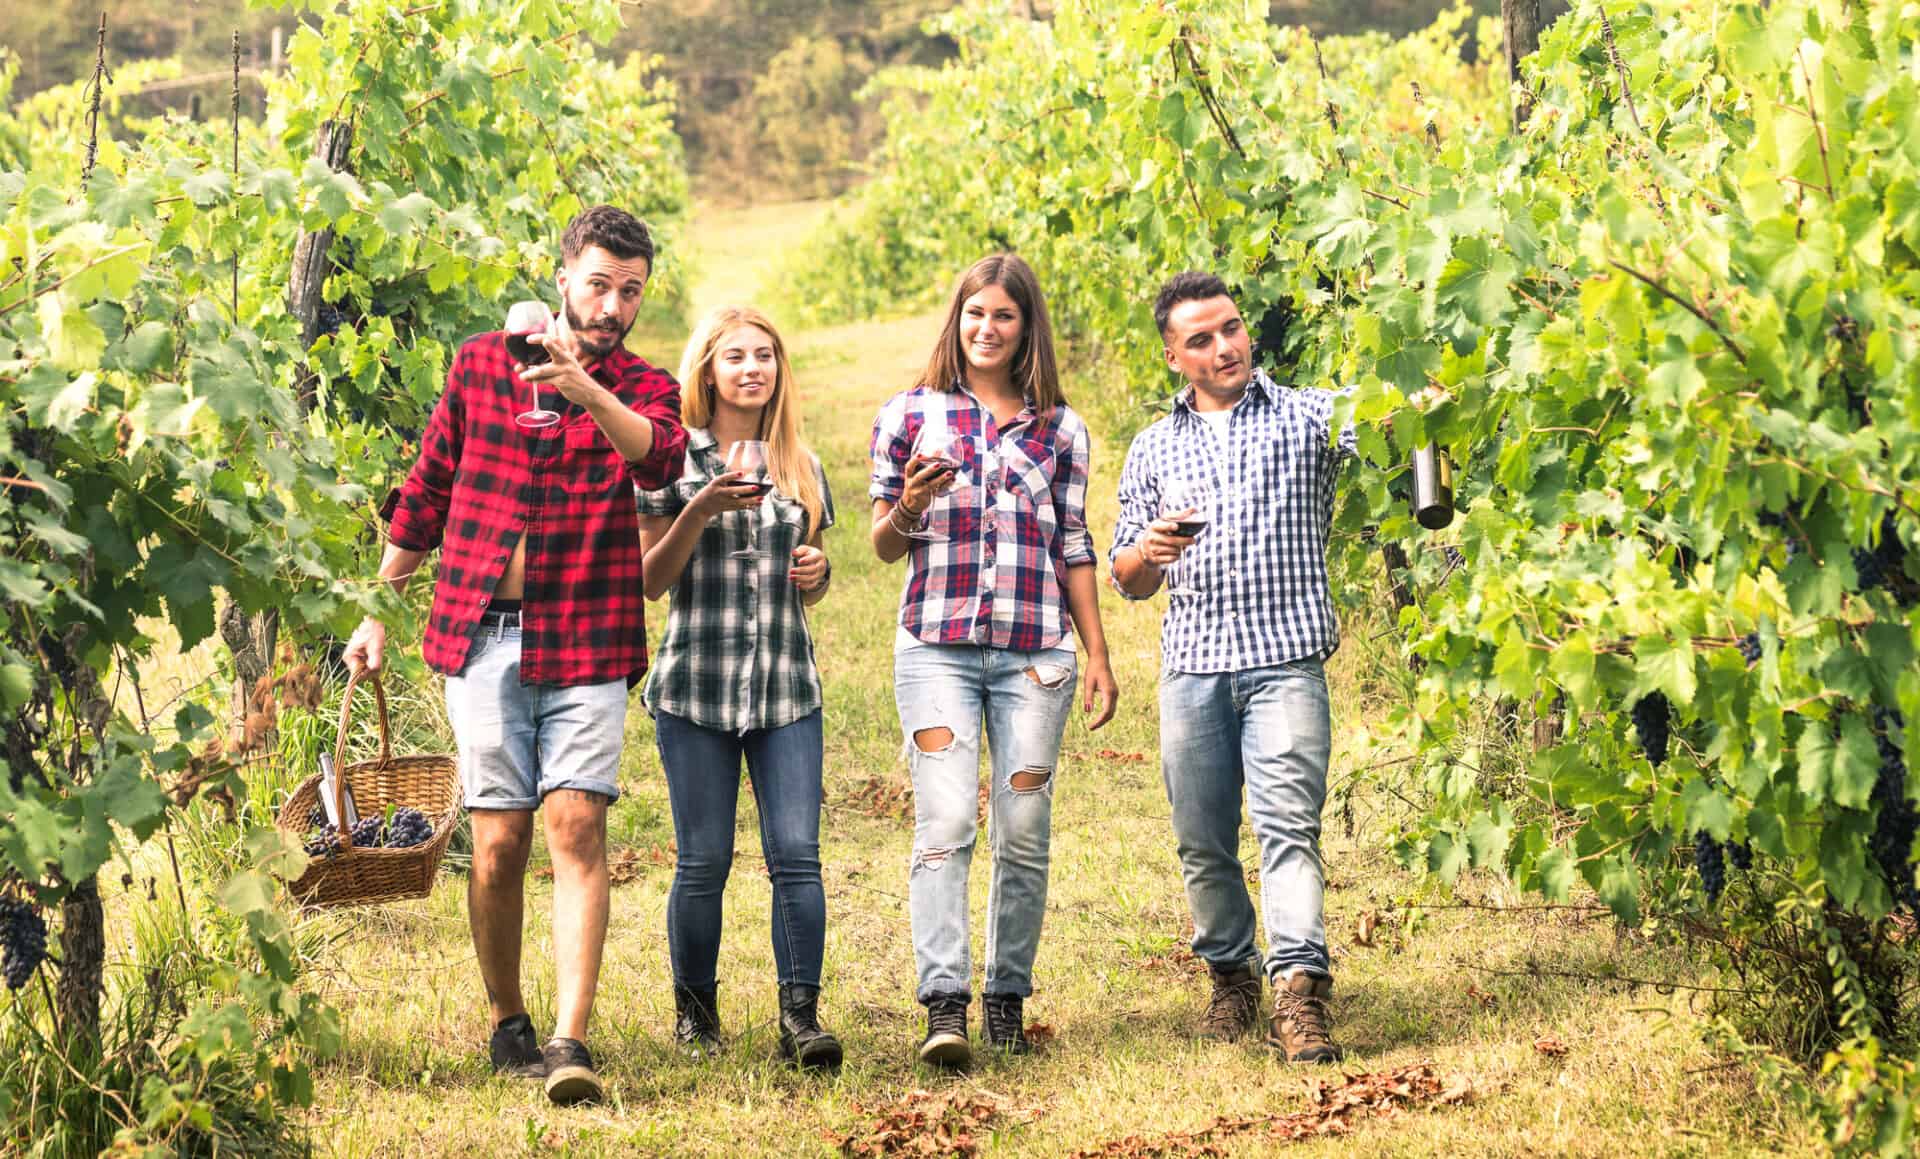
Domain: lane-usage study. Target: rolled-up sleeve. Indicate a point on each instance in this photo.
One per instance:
(1070, 501)
(1139, 500)
(659, 402)
(420, 513)
(890, 447)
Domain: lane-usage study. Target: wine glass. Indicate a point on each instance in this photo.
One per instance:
(748, 457)
(525, 320)
(1189, 503)
(937, 441)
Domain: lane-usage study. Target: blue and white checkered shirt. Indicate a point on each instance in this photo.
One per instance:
(1260, 567)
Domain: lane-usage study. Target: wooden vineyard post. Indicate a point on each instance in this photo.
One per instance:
(1520, 28)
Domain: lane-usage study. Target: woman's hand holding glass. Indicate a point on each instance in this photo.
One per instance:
(727, 491)
(934, 469)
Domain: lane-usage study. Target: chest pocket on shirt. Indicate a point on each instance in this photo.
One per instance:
(587, 463)
(788, 527)
(1029, 468)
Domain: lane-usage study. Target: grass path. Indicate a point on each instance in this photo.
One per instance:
(1113, 980)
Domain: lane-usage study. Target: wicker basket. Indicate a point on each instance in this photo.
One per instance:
(369, 876)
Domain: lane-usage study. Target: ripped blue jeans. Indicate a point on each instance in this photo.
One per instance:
(1023, 698)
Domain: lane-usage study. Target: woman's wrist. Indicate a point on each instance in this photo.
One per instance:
(912, 518)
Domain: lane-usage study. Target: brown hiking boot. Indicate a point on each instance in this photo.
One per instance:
(1234, 1008)
(1302, 1028)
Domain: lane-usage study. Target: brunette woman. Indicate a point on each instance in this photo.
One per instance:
(979, 481)
(735, 676)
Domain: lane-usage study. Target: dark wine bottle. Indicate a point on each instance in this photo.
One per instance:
(1432, 488)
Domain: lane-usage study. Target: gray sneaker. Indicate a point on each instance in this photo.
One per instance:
(570, 1077)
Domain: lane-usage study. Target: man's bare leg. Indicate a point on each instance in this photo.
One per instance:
(496, 903)
(577, 843)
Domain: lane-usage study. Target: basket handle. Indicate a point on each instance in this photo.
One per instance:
(340, 744)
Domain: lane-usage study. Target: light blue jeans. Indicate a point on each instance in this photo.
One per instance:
(1023, 697)
(1268, 729)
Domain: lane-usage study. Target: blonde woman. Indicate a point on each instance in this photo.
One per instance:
(735, 676)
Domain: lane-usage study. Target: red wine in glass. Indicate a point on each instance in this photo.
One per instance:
(1189, 504)
(937, 443)
(749, 458)
(760, 484)
(524, 320)
(526, 352)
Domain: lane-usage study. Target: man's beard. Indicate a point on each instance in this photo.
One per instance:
(593, 343)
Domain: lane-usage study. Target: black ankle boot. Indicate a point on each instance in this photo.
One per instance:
(1005, 1023)
(696, 1025)
(802, 1038)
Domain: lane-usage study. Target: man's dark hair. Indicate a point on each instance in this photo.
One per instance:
(1190, 286)
(612, 229)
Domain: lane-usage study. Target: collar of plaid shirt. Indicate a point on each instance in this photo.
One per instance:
(481, 483)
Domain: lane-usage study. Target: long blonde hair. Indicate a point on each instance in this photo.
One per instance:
(1034, 369)
(787, 458)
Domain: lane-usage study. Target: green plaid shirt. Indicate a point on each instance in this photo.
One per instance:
(736, 655)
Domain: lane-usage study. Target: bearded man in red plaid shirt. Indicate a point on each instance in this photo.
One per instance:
(537, 615)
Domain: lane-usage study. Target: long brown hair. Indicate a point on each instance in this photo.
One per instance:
(1034, 370)
(787, 458)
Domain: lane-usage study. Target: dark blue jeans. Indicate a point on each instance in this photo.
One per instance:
(703, 785)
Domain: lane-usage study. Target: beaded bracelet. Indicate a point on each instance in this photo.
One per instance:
(893, 517)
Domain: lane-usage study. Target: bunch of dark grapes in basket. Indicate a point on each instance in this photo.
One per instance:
(23, 941)
(407, 827)
(371, 832)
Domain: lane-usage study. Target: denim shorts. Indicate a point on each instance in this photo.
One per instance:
(519, 742)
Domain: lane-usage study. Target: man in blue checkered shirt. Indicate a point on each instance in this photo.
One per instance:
(1228, 499)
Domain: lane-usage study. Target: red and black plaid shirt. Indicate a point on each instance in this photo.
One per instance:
(481, 483)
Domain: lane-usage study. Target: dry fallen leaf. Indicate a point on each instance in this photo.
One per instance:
(1550, 1046)
(1364, 928)
(926, 1125)
(1334, 1110)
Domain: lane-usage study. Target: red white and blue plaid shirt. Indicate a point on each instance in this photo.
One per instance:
(999, 581)
(481, 482)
